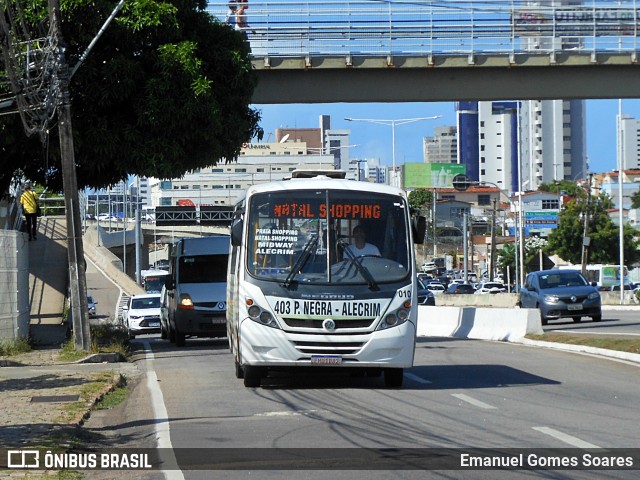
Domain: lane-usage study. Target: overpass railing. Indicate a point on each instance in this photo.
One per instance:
(379, 28)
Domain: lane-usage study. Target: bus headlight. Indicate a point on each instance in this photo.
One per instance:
(393, 319)
(259, 315)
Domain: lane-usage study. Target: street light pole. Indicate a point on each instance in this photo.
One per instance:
(393, 123)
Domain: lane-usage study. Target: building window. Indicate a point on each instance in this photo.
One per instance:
(550, 204)
(260, 170)
(165, 185)
(196, 187)
(457, 212)
(240, 170)
(447, 197)
(484, 199)
(184, 187)
(217, 170)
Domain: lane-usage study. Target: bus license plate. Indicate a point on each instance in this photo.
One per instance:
(574, 307)
(326, 360)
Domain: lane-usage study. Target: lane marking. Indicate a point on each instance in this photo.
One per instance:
(472, 401)
(566, 438)
(161, 418)
(416, 378)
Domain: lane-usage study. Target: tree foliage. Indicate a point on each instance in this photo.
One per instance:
(570, 188)
(166, 89)
(420, 199)
(566, 240)
(635, 199)
(507, 256)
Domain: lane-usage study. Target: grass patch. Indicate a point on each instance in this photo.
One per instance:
(620, 344)
(14, 347)
(112, 399)
(104, 339)
(61, 475)
(88, 392)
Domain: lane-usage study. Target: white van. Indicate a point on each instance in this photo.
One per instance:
(197, 288)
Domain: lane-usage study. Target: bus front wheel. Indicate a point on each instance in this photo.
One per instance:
(393, 377)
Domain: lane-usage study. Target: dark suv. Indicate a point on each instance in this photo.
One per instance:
(561, 294)
(460, 288)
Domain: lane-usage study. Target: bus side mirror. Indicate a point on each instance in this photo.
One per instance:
(169, 283)
(236, 233)
(419, 227)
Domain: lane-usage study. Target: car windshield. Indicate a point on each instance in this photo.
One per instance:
(308, 237)
(560, 280)
(143, 303)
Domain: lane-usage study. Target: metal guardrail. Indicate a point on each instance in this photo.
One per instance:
(353, 28)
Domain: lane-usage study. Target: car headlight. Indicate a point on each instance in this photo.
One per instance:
(260, 315)
(593, 295)
(551, 298)
(185, 302)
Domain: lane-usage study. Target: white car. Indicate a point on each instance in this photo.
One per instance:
(142, 314)
(491, 287)
(436, 288)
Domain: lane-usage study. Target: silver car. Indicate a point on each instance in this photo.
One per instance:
(91, 304)
(561, 294)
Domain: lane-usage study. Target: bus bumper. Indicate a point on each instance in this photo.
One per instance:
(271, 347)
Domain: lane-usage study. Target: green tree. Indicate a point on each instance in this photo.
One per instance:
(420, 199)
(166, 90)
(566, 240)
(507, 255)
(635, 199)
(567, 186)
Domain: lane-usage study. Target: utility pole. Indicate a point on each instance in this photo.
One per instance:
(493, 242)
(585, 238)
(77, 277)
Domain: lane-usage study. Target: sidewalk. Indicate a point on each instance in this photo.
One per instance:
(44, 400)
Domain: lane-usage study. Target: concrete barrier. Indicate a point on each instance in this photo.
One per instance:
(498, 300)
(110, 264)
(506, 324)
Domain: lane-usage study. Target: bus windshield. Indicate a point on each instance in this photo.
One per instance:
(328, 237)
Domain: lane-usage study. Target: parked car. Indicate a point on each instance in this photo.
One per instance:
(91, 303)
(425, 296)
(142, 314)
(460, 288)
(490, 287)
(561, 294)
(435, 288)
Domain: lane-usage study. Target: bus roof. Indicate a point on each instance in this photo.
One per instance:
(322, 181)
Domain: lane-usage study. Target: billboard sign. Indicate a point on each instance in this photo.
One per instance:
(431, 175)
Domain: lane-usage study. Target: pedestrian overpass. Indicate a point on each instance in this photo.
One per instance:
(325, 51)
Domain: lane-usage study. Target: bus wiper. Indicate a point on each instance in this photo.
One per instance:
(357, 261)
(309, 247)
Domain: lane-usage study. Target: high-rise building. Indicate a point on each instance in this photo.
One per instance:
(442, 147)
(522, 143)
(552, 141)
(629, 131)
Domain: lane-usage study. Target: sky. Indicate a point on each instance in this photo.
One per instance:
(374, 141)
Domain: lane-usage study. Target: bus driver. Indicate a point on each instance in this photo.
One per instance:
(360, 247)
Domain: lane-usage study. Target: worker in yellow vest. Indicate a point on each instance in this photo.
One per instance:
(29, 201)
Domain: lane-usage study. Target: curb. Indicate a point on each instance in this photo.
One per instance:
(602, 352)
(118, 380)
